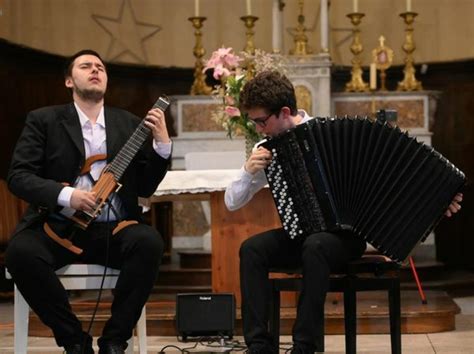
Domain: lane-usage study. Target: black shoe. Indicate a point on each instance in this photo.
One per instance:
(298, 349)
(80, 348)
(112, 348)
(259, 349)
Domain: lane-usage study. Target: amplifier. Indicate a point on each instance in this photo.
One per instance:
(205, 314)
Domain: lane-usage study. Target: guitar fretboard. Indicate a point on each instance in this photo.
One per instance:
(126, 154)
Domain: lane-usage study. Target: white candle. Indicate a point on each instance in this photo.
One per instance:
(408, 5)
(277, 27)
(355, 5)
(249, 7)
(196, 8)
(373, 76)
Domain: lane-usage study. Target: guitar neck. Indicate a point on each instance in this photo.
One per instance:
(126, 154)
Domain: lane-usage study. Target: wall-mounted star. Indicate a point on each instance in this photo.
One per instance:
(127, 34)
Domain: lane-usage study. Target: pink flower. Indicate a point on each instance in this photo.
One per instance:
(220, 72)
(232, 111)
(223, 61)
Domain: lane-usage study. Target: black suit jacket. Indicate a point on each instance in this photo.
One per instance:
(50, 151)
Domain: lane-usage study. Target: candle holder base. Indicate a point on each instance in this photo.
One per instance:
(249, 22)
(409, 82)
(199, 86)
(357, 84)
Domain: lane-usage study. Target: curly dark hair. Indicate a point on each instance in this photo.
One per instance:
(269, 90)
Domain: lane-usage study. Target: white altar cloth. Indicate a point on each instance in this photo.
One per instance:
(195, 181)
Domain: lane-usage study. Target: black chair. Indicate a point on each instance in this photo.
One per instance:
(369, 273)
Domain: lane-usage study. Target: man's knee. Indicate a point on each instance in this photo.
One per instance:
(149, 241)
(20, 254)
(248, 247)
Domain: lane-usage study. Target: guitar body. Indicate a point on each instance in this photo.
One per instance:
(104, 187)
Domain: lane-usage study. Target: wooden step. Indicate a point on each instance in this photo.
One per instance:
(176, 289)
(453, 281)
(194, 258)
(173, 274)
(438, 315)
(426, 270)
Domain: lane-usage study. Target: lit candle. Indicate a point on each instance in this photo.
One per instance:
(373, 76)
(355, 5)
(408, 5)
(196, 8)
(249, 7)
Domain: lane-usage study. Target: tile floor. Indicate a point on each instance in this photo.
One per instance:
(455, 342)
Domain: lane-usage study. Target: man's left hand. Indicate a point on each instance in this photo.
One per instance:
(155, 120)
(455, 205)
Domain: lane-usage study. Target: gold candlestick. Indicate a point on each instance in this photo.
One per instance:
(409, 82)
(249, 22)
(300, 38)
(199, 86)
(356, 84)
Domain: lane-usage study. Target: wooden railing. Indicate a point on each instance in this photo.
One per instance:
(11, 209)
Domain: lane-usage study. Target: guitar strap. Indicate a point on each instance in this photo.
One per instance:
(62, 241)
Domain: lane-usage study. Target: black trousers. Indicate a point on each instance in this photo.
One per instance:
(32, 258)
(318, 255)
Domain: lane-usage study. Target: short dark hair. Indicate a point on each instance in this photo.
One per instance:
(269, 90)
(70, 61)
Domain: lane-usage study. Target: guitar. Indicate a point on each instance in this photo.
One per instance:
(108, 181)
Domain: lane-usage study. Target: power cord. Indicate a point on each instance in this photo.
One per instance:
(106, 264)
(217, 342)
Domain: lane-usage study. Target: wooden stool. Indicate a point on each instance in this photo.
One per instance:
(369, 273)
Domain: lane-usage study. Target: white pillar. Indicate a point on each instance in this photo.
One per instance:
(277, 27)
(324, 26)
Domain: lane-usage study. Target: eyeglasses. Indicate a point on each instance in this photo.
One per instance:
(261, 121)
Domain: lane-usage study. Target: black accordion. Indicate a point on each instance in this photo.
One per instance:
(332, 174)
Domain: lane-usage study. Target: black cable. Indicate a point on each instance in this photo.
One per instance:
(234, 345)
(108, 232)
(182, 350)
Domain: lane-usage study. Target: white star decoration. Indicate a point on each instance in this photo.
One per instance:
(127, 34)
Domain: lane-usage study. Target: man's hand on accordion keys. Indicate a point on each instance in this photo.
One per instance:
(258, 160)
(455, 205)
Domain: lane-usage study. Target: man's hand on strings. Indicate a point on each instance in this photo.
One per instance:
(259, 159)
(83, 200)
(155, 120)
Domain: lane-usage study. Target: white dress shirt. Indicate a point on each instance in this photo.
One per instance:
(94, 144)
(241, 190)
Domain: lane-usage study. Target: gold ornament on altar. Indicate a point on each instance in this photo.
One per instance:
(382, 56)
(300, 38)
(409, 82)
(199, 86)
(357, 84)
(249, 22)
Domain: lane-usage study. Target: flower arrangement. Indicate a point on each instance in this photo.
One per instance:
(231, 72)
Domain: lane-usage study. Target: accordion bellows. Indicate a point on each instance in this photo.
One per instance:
(354, 174)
